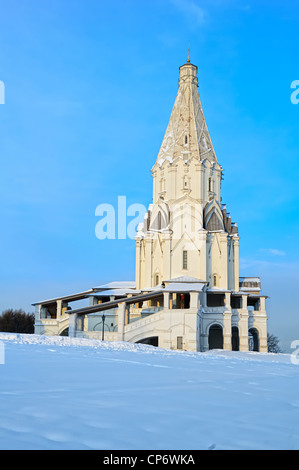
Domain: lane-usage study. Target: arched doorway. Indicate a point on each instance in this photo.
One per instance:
(152, 341)
(65, 332)
(235, 338)
(253, 340)
(215, 337)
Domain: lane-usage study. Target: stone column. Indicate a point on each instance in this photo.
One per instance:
(85, 323)
(38, 328)
(58, 309)
(166, 296)
(227, 301)
(263, 340)
(227, 331)
(243, 325)
(227, 324)
(127, 314)
(194, 300)
(121, 320)
(73, 317)
(38, 313)
(261, 323)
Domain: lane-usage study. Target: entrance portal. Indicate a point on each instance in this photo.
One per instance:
(215, 337)
(235, 338)
(253, 340)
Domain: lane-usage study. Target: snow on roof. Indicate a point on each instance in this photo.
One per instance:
(153, 289)
(217, 290)
(71, 297)
(249, 289)
(117, 285)
(115, 292)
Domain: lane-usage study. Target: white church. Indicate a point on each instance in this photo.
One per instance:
(187, 292)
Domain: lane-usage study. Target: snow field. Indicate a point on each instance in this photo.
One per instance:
(64, 393)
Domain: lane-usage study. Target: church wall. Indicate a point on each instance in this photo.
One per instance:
(157, 259)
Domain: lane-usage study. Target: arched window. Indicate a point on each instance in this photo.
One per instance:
(210, 185)
(157, 279)
(215, 280)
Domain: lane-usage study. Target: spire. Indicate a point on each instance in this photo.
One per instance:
(187, 131)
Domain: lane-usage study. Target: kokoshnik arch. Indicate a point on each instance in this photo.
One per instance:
(187, 292)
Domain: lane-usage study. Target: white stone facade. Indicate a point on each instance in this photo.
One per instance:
(187, 292)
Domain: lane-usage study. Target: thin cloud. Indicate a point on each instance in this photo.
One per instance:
(273, 251)
(191, 10)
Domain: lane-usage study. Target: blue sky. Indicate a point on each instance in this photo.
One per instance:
(89, 88)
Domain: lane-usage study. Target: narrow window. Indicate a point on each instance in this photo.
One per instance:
(185, 259)
(157, 279)
(210, 185)
(159, 221)
(215, 280)
(186, 139)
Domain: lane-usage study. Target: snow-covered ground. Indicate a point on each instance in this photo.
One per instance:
(62, 393)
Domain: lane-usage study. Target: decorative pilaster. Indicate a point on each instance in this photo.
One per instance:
(236, 263)
(167, 255)
(223, 249)
(137, 276)
(148, 260)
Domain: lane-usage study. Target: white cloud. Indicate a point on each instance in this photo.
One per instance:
(191, 10)
(273, 251)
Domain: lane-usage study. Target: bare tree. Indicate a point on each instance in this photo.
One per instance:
(273, 344)
(17, 321)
